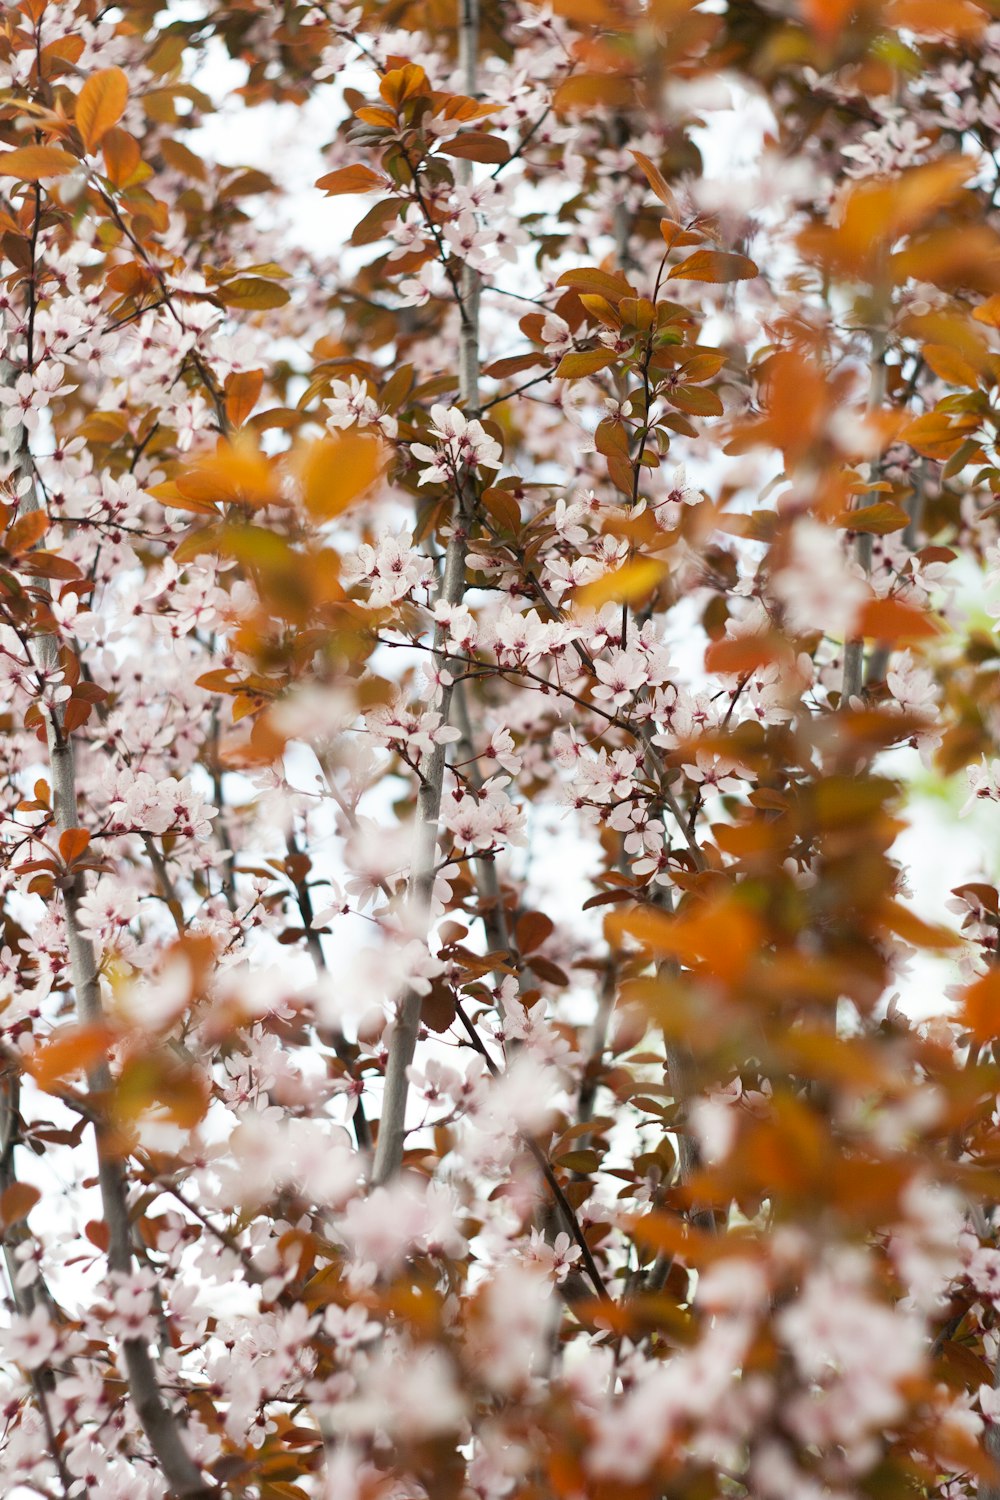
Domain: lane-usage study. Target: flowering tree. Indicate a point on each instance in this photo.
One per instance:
(463, 1019)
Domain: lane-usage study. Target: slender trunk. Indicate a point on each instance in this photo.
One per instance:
(854, 651)
(392, 1125)
(159, 1423)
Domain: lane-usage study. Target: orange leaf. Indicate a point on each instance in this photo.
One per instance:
(892, 620)
(402, 84)
(951, 366)
(876, 213)
(532, 929)
(71, 1049)
(242, 390)
(936, 434)
(714, 265)
(72, 844)
(988, 312)
(828, 17)
(16, 1203)
(720, 935)
(477, 145)
(26, 531)
(121, 156)
(656, 180)
(32, 163)
(876, 520)
(100, 105)
(742, 654)
(355, 179)
(609, 284)
(236, 471)
(981, 1006)
(337, 470)
(952, 18)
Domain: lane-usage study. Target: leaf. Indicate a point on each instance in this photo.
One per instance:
(532, 930)
(743, 654)
(375, 224)
(183, 159)
(590, 90)
(583, 362)
(252, 293)
(68, 1050)
(579, 1161)
(236, 472)
(242, 390)
(714, 265)
(122, 156)
(16, 1203)
(438, 1006)
(100, 104)
(656, 180)
(26, 531)
(477, 145)
(981, 1006)
(875, 520)
(721, 935)
(32, 163)
(354, 179)
(988, 312)
(913, 929)
(875, 213)
(696, 400)
(631, 583)
(336, 471)
(503, 508)
(951, 366)
(72, 843)
(892, 620)
(512, 365)
(938, 435)
(402, 84)
(609, 284)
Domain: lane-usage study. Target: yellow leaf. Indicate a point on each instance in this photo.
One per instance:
(253, 293)
(635, 581)
(100, 104)
(336, 471)
(585, 91)
(586, 362)
(31, 163)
